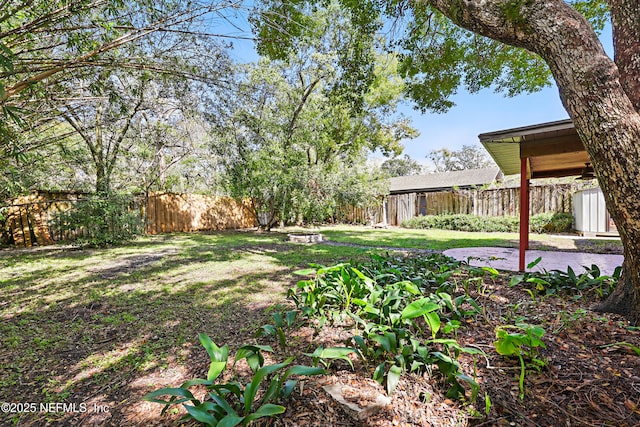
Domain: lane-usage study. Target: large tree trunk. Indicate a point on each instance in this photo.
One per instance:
(593, 94)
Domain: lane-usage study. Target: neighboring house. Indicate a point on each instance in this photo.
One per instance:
(410, 196)
(444, 181)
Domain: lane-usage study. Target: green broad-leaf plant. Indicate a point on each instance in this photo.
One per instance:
(523, 341)
(232, 403)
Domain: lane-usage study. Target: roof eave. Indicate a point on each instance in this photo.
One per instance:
(516, 134)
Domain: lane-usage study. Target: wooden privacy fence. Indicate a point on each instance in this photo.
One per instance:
(170, 212)
(491, 202)
(30, 220)
(359, 215)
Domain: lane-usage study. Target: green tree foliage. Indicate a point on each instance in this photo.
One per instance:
(291, 28)
(128, 111)
(291, 139)
(104, 125)
(135, 124)
(436, 57)
(401, 166)
(294, 159)
(48, 47)
(42, 39)
(468, 157)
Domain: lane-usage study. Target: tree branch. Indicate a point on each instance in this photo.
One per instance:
(305, 96)
(71, 118)
(113, 155)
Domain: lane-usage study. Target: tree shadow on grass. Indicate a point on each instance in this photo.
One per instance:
(106, 332)
(113, 351)
(104, 327)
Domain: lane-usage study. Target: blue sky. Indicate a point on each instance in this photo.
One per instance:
(472, 115)
(478, 113)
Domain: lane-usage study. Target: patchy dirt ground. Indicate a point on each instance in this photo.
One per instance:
(591, 378)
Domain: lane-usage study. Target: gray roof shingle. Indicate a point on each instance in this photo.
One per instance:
(443, 180)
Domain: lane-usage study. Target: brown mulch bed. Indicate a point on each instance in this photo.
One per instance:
(587, 381)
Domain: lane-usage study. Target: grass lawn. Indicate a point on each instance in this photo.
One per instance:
(103, 327)
(91, 325)
(446, 239)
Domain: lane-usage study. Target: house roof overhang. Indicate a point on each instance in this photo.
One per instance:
(552, 149)
(444, 180)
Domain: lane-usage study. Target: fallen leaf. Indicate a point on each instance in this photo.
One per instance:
(631, 406)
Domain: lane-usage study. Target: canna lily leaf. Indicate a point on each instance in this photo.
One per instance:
(230, 421)
(302, 370)
(218, 356)
(202, 415)
(266, 410)
(175, 392)
(418, 308)
(252, 388)
(393, 377)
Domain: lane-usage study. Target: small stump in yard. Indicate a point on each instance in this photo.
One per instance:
(305, 237)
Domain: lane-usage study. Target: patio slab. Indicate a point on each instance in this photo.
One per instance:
(507, 259)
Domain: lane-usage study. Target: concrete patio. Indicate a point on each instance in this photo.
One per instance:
(507, 259)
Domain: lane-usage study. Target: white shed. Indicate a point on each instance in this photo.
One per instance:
(590, 213)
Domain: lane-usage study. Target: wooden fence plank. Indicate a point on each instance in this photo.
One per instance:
(490, 202)
(26, 229)
(15, 223)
